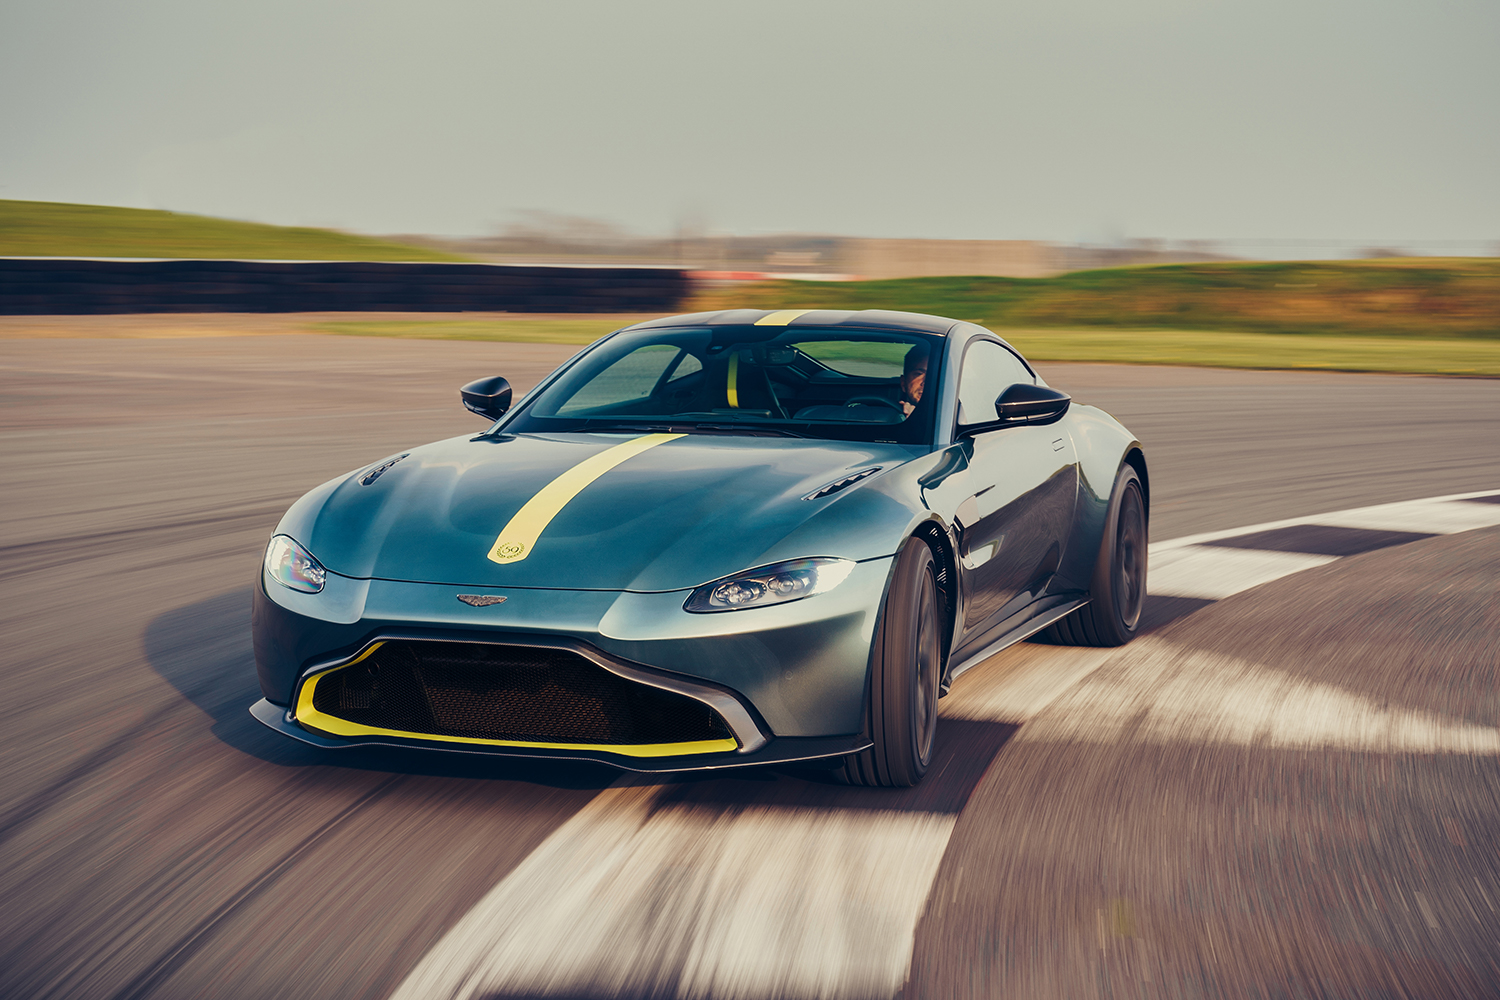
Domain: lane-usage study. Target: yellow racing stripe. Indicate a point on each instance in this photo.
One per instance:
(781, 318)
(732, 388)
(519, 536)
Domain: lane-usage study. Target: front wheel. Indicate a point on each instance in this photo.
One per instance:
(1117, 593)
(905, 665)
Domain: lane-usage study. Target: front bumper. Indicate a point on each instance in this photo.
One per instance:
(781, 750)
(788, 679)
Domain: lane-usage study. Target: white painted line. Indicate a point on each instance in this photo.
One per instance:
(1214, 572)
(630, 897)
(1155, 692)
(1434, 518)
(1437, 502)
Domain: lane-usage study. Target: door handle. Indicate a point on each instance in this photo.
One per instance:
(967, 513)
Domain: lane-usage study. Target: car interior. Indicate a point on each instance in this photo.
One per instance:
(777, 382)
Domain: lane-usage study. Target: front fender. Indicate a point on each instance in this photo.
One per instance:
(297, 523)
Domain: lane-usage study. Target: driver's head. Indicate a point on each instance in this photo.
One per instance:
(914, 373)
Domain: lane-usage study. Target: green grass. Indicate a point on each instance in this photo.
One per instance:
(516, 331)
(1417, 297)
(1219, 349)
(1213, 349)
(55, 229)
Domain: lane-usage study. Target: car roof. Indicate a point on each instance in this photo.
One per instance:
(868, 319)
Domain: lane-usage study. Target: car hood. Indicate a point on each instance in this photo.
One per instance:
(672, 516)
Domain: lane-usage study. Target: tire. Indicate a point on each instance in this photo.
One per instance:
(906, 663)
(1117, 593)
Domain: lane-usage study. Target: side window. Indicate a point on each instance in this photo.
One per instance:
(871, 358)
(688, 366)
(988, 370)
(629, 379)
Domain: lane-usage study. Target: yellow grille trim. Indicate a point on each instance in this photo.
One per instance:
(518, 537)
(781, 318)
(309, 716)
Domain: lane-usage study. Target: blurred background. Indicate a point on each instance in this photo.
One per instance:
(245, 247)
(738, 144)
(1346, 124)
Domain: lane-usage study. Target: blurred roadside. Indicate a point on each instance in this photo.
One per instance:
(573, 280)
(1408, 297)
(547, 238)
(553, 238)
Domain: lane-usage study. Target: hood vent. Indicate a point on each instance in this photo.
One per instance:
(379, 470)
(842, 484)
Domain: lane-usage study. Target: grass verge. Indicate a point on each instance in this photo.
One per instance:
(515, 331)
(1211, 349)
(1220, 349)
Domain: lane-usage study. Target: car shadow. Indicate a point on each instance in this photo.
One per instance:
(1158, 612)
(961, 754)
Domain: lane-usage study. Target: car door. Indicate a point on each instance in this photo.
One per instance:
(1022, 483)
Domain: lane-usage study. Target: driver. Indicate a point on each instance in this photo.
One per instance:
(913, 378)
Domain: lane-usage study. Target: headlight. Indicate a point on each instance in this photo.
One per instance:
(778, 584)
(290, 565)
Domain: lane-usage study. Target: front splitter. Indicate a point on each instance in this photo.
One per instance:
(779, 750)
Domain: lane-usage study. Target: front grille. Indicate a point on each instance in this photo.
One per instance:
(528, 695)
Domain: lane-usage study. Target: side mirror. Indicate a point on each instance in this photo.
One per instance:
(1031, 404)
(1022, 404)
(488, 397)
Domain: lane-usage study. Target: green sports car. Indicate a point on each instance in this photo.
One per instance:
(706, 541)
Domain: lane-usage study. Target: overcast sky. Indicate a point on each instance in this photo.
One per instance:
(1092, 120)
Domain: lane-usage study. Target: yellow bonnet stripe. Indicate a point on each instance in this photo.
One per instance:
(781, 318)
(518, 537)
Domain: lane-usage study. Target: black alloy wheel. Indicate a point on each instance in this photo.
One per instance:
(1117, 594)
(906, 663)
(1129, 563)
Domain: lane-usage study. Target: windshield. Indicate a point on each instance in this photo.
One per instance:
(851, 385)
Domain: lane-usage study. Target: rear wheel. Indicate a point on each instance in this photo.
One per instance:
(1117, 593)
(905, 665)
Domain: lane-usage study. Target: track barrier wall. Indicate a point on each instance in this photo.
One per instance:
(40, 286)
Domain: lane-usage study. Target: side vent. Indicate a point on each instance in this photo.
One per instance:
(379, 470)
(842, 484)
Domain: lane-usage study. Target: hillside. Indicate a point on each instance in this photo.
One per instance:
(56, 229)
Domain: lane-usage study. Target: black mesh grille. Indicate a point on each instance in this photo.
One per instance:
(490, 692)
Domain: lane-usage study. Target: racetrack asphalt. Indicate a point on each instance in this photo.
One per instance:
(156, 841)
